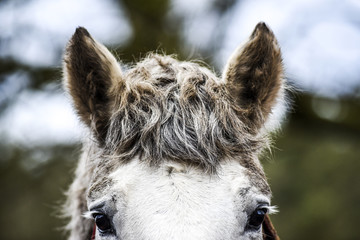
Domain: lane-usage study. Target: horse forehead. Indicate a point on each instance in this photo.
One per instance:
(183, 198)
(231, 179)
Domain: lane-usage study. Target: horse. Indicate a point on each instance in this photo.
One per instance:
(172, 149)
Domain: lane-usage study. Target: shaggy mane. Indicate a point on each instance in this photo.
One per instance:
(168, 109)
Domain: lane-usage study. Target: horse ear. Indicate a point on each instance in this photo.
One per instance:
(90, 71)
(253, 77)
(269, 232)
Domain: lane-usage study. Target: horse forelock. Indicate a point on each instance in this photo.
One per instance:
(179, 111)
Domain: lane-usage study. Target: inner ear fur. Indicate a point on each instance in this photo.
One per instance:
(269, 232)
(90, 71)
(253, 76)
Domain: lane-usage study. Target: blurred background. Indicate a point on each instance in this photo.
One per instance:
(314, 165)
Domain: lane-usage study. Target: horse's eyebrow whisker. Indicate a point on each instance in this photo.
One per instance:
(88, 214)
(97, 206)
(272, 209)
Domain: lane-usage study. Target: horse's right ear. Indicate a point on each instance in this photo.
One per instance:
(90, 72)
(254, 79)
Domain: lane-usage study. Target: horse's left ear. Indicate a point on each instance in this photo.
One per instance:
(269, 232)
(91, 71)
(254, 79)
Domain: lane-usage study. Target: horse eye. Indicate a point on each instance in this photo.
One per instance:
(102, 223)
(257, 218)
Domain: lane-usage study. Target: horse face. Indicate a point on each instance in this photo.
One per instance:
(175, 201)
(173, 152)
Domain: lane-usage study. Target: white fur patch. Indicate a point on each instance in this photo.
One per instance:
(179, 202)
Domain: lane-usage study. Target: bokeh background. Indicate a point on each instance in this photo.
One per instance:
(315, 163)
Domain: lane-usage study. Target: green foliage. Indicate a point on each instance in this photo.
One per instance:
(33, 182)
(153, 29)
(314, 177)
